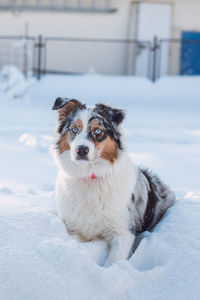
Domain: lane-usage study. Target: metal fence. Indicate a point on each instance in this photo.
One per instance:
(183, 57)
(57, 55)
(104, 56)
(18, 51)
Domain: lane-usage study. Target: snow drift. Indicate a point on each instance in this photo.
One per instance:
(38, 260)
(13, 83)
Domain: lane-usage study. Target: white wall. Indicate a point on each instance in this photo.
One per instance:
(76, 57)
(68, 24)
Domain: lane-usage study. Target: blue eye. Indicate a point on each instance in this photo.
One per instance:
(75, 130)
(97, 131)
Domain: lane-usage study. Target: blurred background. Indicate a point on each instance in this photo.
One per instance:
(112, 37)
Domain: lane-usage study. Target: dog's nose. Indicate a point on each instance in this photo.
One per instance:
(82, 151)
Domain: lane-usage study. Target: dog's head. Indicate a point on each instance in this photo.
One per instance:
(88, 138)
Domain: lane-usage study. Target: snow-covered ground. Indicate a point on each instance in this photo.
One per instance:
(37, 258)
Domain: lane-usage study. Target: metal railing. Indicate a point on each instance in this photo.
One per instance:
(61, 55)
(19, 51)
(178, 57)
(104, 56)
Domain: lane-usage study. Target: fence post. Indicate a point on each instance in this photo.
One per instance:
(25, 50)
(154, 50)
(39, 45)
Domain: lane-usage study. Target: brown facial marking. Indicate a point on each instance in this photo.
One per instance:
(78, 124)
(68, 108)
(95, 125)
(108, 149)
(64, 143)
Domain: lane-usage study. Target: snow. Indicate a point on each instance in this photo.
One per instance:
(38, 260)
(13, 83)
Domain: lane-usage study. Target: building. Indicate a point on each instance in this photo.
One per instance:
(109, 37)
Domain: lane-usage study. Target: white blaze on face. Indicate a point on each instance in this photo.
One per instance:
(81, 139)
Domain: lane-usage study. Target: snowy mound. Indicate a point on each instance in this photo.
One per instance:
(13, 83)
(38, 260)
(41, 142)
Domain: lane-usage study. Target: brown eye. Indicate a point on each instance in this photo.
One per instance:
(98, 131)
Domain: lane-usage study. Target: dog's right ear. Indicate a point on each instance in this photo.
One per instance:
(66, 107)
(59, 103)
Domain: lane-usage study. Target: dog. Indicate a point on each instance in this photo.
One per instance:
(100, 193)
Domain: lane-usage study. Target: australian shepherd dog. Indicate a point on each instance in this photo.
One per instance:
(100, 193)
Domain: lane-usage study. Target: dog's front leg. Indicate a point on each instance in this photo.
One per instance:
(120, 248)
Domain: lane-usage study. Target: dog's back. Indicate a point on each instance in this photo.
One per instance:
(157, 198)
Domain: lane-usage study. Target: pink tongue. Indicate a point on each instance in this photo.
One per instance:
(93, 176)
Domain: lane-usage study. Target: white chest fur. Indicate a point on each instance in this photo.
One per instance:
(97, 207)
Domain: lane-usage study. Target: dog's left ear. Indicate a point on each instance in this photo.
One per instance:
(115, 115)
